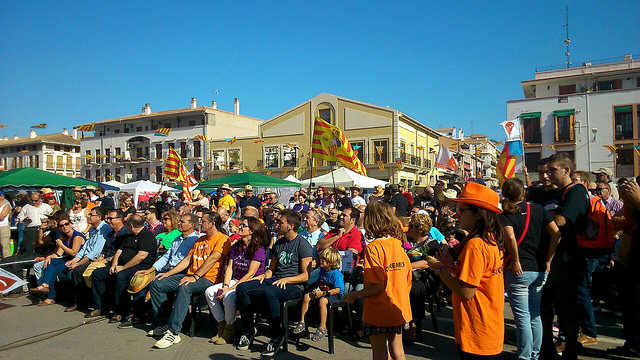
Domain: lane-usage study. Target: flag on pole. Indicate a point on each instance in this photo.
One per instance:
(506, 165)
(329, 143)
(515, 147)
(200, 137)
(512, 129)
(162, 132)
(611, 148)
(445, 160)
(39, 126)
(86, 127)
(172, 165)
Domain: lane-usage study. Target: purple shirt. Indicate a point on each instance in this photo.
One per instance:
(238, 254)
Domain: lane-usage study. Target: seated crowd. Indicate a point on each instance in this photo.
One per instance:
(387, 253)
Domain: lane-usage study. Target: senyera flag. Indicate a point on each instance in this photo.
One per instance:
(329, 143)
(172, 166)
(175, 170)
(506, 165)
(445, 160)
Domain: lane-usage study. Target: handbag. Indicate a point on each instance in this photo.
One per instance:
(524, 233)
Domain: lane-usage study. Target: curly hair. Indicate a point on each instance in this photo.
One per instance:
(380, 221)
(421, 223)
(175, 219)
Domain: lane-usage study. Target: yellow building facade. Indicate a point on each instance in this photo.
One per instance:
(392, 145)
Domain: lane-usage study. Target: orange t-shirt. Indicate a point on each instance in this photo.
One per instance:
(205, 247)
(479, 321)
(386, 263)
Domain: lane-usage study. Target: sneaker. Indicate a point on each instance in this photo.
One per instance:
(272, 347)
(586, 340)
(159, 331)
(318, 335)
(299, 327)
(126, 323)
(167, 340)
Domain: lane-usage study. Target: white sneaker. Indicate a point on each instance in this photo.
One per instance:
(158, 331)
(167, 340)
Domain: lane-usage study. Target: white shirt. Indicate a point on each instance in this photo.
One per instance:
(357, 201)
(36, 214)
(5, 222)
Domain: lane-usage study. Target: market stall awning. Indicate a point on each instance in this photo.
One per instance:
(36, 178)
(344, 177)
(247, 178)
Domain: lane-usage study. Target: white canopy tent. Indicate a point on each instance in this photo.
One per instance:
(143, 189)
(292, 178)
(343, 177)
(115, 183)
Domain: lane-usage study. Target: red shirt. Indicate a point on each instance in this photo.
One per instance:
(349, 240)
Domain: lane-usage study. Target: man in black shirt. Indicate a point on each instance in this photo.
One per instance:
(568, 266)
(104, 201)
(137, 252)
(343, 202)
(398, 201)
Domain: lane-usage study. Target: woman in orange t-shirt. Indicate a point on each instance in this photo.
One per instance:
(476, 279)
(387, 282)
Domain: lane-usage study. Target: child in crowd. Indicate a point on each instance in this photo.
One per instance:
(328, 287)
(387, 283)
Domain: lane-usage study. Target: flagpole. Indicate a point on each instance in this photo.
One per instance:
(311, 160)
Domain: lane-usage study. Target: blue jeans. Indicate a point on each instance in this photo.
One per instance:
(50, 274)
(587, 320)
(159, 290)
(251, 293)
(525, 292)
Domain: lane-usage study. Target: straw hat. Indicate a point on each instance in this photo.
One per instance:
(248, 188)
(480, 196)
(268, 191)
(46, 191)
(605, 171)
(379, 191)
(90, 187)
(356, 186)
(341, 189)
(139, 282)
(226, 187)
(77, 188)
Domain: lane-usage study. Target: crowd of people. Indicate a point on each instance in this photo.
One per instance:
(551, 245)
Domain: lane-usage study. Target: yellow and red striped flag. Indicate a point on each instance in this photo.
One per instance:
(162, 132)
(329, 143)
(611, 148)
(39, 126)
(506, 165)
(200, 137)
(86, 127)
(172, 165)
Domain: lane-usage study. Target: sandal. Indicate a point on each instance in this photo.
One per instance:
(46, 302)
(318, 335)
(299, 327)
(40, 289)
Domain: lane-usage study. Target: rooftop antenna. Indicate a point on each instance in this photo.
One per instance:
(567, 39)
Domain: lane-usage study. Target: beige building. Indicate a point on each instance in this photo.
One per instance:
(128, 148)
(56, 153)
(392, 145)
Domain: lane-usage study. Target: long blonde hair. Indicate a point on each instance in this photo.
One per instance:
(381, 221)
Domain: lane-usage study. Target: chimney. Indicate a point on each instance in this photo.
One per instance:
(146, 109)
(214, 104)
(236, 106)
(65, 131)
(15, 137)
(75, 134)
(628, 57)
(32, 134)
(194, 103)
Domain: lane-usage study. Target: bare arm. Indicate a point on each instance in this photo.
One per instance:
(460, 288)
(560, 220)
(511, 246)
(141, 255)
(253, 268)
(208, 264)
(420, 264)
(305, 265)
(5, 211)
(328, 241)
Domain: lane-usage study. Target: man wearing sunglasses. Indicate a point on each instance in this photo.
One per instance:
(136, 252)
(31, 216)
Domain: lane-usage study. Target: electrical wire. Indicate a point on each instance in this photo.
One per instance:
(47, 335)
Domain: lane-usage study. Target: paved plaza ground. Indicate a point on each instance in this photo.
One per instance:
(102, 340)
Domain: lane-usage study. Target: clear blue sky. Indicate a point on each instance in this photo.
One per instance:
(454, 64)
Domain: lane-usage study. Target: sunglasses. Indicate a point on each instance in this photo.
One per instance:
(111, 218)
(64, 224)
(166, 218)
